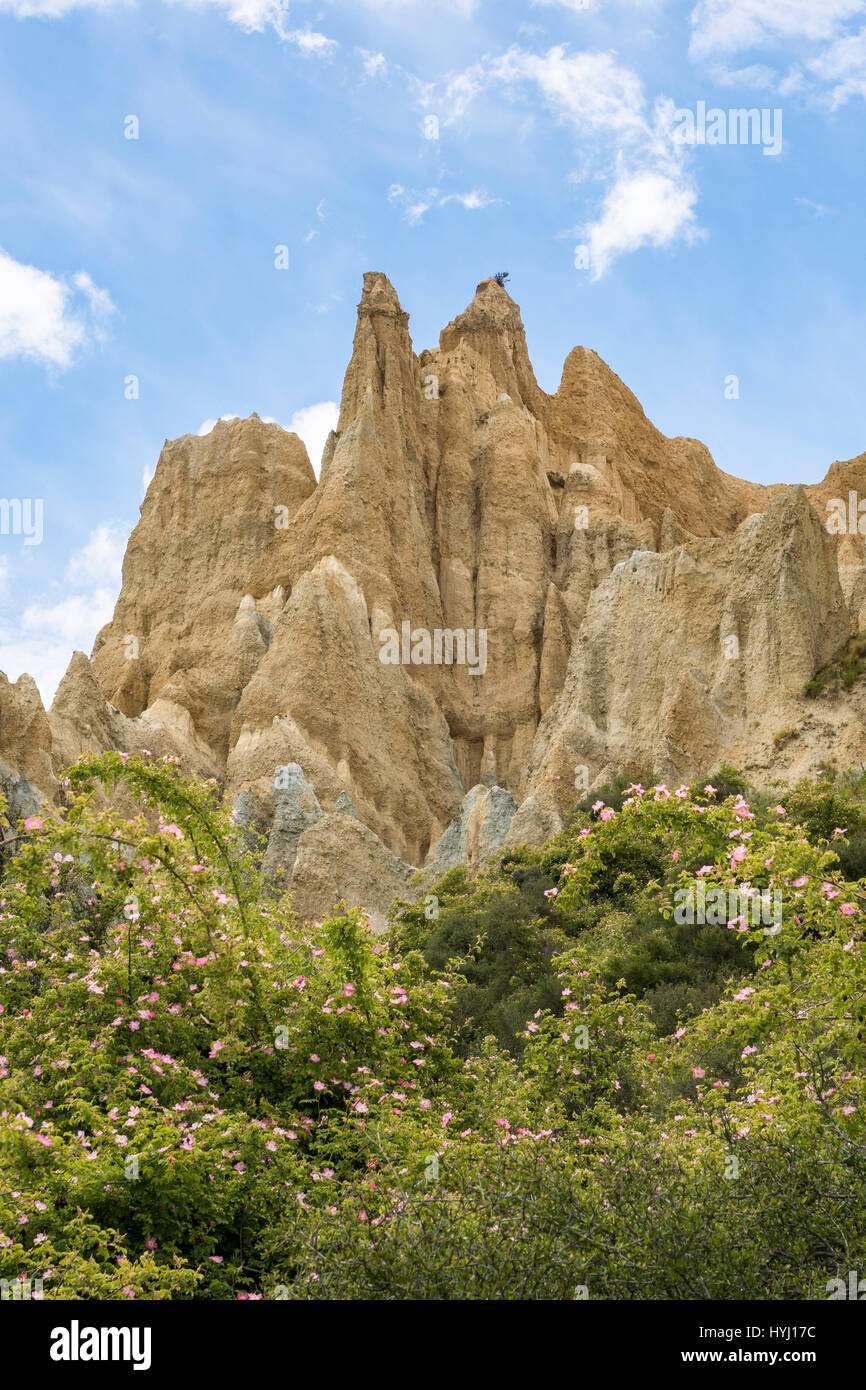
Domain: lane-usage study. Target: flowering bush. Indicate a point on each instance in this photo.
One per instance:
(201, 1097)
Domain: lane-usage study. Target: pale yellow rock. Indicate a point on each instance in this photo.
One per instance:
(640, 609)
(341, 860)
(26, 773)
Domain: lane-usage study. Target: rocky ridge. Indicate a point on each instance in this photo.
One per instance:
(619, 601)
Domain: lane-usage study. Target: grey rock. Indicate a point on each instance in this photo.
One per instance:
(296, 810)
(21, 799)
(478, 831)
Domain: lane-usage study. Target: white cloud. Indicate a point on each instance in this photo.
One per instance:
(843, 67)
(42, 637)
(311, 44)
(464, 8)
(46, 660)
(829, 57)
(314, 423)
(374, 64)
(592, 91)
(99, 300)
(415, 211)
(641, 209)
(649, 198)
(147, 474)
(55, 9)
(731, 26)
(793, 82)
(42, 318)
(460, 91)
(100, 561)
(415, 205)
(471, 201)
(588, 6)
(71, 618)
(48, 634)
(253, 16)
(819, 209)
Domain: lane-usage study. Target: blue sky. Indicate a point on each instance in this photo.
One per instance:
(310, 126)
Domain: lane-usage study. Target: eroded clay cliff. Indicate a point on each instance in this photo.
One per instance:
(490, 595)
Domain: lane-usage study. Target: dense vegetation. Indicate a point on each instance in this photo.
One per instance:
(541, 1085)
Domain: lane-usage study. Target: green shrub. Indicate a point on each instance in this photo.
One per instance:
(547, 1082)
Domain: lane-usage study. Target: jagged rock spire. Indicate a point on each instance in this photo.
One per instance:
(617, 599)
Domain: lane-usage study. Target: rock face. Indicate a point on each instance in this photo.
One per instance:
(26, 775)
(479, 830)
(697, 655)
(492, 598)
(187, 630)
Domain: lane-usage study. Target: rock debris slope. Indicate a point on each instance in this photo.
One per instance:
(608, 599)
